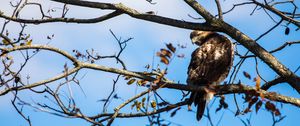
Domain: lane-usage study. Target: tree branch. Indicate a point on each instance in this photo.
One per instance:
(275, 11)
(67, 20)
(239, 88)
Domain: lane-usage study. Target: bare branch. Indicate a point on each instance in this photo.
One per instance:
(67, 20)
(223, 89)
(124, 104)
(220, 13)
(275, 11)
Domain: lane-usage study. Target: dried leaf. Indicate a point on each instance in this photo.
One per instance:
(270, 106)
(165, 52)
(5, 42)
(144, 99)
(258, 105)
(142, 82)
(257, 83)
(164, 60)
(29, 42)
(147, 66)
(159, 54)
(252, 102)
(277, 112)
(171, 47)
(138, 106)
(153, 104)
(131, 81)
(247, 75)
(247, 110)
(127, 77)
(287, 31)
(134, 104)
(174, 112)
(247, 98)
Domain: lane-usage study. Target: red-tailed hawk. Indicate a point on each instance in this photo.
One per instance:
(210, 65)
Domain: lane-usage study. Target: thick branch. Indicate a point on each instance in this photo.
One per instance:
(67, 20)
(222, 89)
(240, 88)
(214, 25)
(143, 16)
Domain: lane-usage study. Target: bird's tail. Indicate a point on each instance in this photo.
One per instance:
(199, 99)
(200, 109)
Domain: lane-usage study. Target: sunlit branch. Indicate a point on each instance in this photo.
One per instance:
(67, 20)
(222, 89)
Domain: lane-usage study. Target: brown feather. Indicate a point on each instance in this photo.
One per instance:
(210, 64)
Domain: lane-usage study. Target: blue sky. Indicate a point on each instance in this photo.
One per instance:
(148, 38)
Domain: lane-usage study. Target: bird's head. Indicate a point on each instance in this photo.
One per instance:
(198, 37)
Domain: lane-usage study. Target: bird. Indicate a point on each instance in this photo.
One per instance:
(209, 66)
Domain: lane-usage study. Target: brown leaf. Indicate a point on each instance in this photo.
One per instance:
(131, 81)
(247, 75)
(165, 52)
(144, 99)
(127, 77)
(142, 82)
(257, 83)
(258, 105)
(223, 103)
(247, 98)
(252, 102)
(29, 42)
(171, 47)
(153, 104)
(277, 112)
(247, 110)
(159, 54)
(5, 42)
(270, 106)
(164, 60)
(138, 106)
